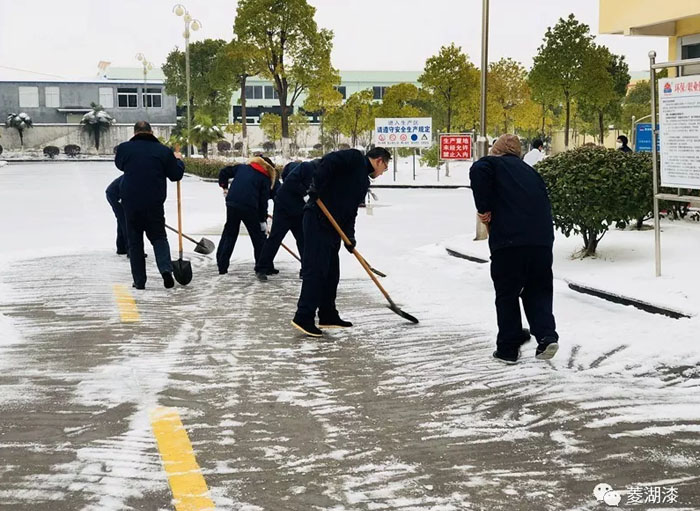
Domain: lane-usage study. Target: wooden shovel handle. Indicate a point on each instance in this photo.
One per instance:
(179, 218)
(354, 250)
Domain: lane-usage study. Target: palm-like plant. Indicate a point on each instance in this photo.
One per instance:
(205, 131)
(96, 122)
(20, 122)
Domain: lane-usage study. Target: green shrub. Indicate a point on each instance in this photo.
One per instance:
(204, 167)
(72, 150)
(51, 151)
(430, 157)
(593, 188)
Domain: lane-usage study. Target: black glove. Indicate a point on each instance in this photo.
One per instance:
(350, 248)
(313, 195)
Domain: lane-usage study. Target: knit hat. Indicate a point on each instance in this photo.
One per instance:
(506, 144)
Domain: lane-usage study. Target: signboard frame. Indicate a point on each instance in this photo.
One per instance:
(384, 133)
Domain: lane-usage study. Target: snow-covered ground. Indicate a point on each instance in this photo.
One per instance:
(387, 416)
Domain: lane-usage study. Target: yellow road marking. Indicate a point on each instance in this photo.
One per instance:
(190, 492)
(126, 304)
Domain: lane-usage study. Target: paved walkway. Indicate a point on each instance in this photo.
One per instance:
(386, 415)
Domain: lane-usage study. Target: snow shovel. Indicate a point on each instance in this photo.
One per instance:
(182, 270)
(364, 264)
(204, 246)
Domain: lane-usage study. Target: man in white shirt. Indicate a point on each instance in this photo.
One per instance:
(536, 154)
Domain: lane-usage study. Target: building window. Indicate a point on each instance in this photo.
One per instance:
(29, 97)
(52, 95)
(271, 92)
(341, 89)
(253, 91)
(378, 92)
(153, 98)
(690, 49)
(106, 99)
(127, 97)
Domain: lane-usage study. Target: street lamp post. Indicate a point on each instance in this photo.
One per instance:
(147, 66)
(194, 25)
(482, 145)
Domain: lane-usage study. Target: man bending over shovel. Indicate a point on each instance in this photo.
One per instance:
(341, 181)
(146, 164)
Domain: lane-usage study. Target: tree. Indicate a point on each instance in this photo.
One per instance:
(357, 115)
(96, 122)
(205, 131)
(20, 122)
(212, 78)
(298, 124)
(295, 53)
(637, 103)
(592, 188)
(400, 100)
(271, 125)
(323, 98)
(557, 71)
(452, 80)
(507, 91)
(603, 86)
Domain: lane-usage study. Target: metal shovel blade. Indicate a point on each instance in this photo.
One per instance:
(403, 314)
(204, 246)
(182, 271)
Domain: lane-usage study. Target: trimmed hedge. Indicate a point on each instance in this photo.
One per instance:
(204, 167)
(72, 150)
(51, 151)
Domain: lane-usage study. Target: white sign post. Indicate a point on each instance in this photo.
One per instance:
(403, 132)
(679, 121)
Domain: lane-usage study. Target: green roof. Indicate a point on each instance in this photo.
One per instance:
(132, 73)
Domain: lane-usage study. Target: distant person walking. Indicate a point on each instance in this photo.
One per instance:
(511, 198)
(536, 154)
(622, 144)
(146, 164)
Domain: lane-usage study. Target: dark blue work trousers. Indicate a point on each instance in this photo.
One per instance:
(282, 223)
(522, 273)
(151, 221)
(234, 216)
(122, 245)
(321, 269)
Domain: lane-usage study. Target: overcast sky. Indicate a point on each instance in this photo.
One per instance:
(69, 37)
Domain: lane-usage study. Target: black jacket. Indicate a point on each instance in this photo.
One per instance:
(146, 163)
(516, 196)
(341, 180)
(296, 182)
(250, 188)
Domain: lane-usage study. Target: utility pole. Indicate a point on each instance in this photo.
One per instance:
(195, 25)
(482, 145)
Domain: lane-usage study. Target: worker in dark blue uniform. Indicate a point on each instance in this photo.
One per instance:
(511, 198)
(246, 201)
(288, 213)
(341, 181)
(146, 164)
(114, 199)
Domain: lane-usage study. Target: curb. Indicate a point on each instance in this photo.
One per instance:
(626, 300)
(599, 293)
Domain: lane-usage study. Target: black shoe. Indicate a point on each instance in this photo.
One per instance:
(301, 274)
(260, 276)
(333, 323)
(273, 271)
(308, 328)
(526, 336)
(506, 360)
(122, 252)
(547, 348)
(223, 272)
(138, 286)
(168, 280)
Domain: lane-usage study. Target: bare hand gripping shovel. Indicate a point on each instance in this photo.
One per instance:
(182, 270)
(364, 264)
(204, 246)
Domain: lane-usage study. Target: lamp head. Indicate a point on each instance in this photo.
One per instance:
(196, 25)
(179, 10)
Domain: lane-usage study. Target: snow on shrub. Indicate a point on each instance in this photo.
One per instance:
(223, 146)
(51, 151)
(72, 150)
